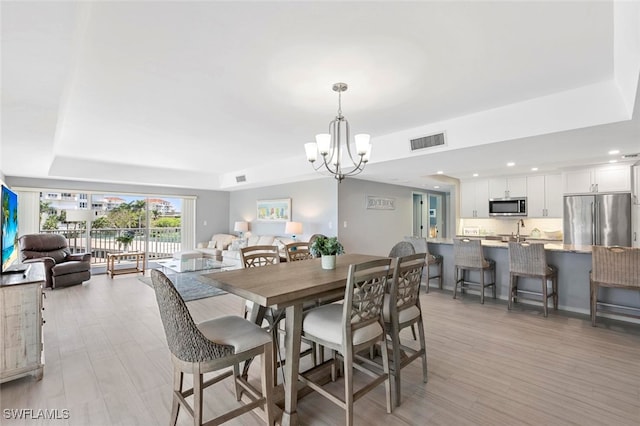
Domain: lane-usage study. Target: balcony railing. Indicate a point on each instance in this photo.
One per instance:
(163, 242)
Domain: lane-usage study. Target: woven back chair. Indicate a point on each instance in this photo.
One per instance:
(350, 328)
(613, 267)
(468, 256)
(401, 310)
(529, 260)
(211, 346)
(420, 246)
(401, 249)
(298, 251)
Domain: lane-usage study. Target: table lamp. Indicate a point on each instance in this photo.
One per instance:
(241, 227)
(293, 228)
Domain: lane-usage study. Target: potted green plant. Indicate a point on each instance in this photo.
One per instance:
(125, 239)
(327, 248)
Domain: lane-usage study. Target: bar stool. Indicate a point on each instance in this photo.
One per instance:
(468, 256)
(529, 260)
(617, 267)
(420, 245)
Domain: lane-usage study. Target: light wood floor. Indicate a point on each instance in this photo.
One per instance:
(107, 362)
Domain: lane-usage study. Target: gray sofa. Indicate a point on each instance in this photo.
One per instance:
(62, 268)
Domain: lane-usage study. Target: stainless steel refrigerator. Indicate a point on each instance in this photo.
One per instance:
(599, 219)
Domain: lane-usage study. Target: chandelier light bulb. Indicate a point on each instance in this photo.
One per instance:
(362, 143)
(324, 143)
(311, 149)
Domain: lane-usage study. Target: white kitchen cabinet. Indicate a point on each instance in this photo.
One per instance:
(635, 221)
(510, 187)
(474, 199)
(599, 179)
(636, 184)
(544, 196)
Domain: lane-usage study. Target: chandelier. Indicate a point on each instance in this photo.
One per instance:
(330, 145)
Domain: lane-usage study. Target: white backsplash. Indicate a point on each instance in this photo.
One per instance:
(509, 225)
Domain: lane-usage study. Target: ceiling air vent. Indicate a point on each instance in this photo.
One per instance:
(241, 178)
(427, 141)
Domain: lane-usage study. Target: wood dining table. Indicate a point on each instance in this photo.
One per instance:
(288, 286)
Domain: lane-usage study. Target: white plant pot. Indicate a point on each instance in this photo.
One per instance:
(329, 261)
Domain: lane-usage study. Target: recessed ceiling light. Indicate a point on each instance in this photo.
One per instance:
(475, 175)
(613, 161)
(436, 187)
(511, 164)
(439, 172)
(614, 152)
(534, 169)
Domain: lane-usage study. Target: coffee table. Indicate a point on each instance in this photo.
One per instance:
(191, 265)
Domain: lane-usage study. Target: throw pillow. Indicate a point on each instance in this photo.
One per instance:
(212, 244)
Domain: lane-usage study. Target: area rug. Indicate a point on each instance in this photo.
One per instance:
(189, 286)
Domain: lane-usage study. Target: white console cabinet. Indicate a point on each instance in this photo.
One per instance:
(616, 178)
(474, 199)
(21, 351)
(544, 196)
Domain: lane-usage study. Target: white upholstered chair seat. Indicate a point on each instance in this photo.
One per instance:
(234, 331)
(325, 323)
(407, 314)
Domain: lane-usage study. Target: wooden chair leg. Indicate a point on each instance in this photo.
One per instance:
(555, 292)
(267, 383)
(510, 293)
(177, 387)
(423, 348)
(495, 285)
(385, 369)
(455, 285)
(348, 386)
(482, 286)
(397, 363)
(428, 268)
(440, 277)
(544, 295)
(237, 388)
(594, 302)
(197, 396)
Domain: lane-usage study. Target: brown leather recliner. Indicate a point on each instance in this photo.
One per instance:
(61, 266)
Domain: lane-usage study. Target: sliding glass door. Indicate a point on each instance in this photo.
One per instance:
(102, 223)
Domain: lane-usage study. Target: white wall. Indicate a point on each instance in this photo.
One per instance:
(314, 203)
(373, 231)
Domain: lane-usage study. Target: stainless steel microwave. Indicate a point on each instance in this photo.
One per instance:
(508, 206)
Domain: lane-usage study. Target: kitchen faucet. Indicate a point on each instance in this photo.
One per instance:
(520, 223)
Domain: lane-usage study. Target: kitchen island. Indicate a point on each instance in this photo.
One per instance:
(573, 263)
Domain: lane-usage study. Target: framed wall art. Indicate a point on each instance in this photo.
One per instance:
(380, 203)
(274, 210)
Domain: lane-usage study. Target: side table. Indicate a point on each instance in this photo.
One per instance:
(139, 258)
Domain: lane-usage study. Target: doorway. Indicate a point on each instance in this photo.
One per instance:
(429, 215)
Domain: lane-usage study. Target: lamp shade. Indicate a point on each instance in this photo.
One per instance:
(241, 226)
(293, 228)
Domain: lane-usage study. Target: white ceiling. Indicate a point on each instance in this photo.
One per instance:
(193, 94)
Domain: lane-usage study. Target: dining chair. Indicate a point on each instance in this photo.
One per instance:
(617, 267)
(402, 309)
(211, 346)
(297, 251)
(351, 327)
(420, 245)
(468, 256)
(401, 248)
(260, 256)
(529, 260)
